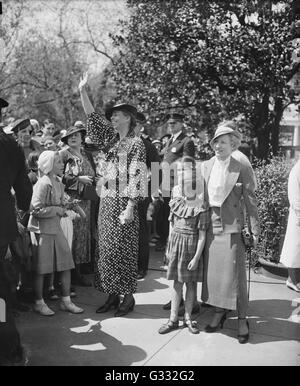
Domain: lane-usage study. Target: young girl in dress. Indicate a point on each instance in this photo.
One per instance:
(53, 252)
(188, 224)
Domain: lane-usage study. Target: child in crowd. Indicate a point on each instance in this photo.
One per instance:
(52, 250)
(188, 224)
(66, 223)
(33, 167)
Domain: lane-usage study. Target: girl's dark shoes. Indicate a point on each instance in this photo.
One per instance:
(192, 325)
(210, 328)
(113, 301)
(124, 308)
(169, 326)
(243, 338)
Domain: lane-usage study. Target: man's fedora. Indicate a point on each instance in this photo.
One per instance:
(72, 130)
(175, 113)
(121, 107)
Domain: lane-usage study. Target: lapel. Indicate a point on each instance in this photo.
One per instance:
(207, 168)
(232, 177)
(178, 139)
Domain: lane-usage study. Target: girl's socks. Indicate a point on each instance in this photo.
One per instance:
(66, 299)
(40, 302)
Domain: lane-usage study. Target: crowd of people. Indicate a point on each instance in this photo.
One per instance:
(87, 203)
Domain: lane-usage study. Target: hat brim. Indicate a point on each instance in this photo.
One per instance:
(20, 125)
(76, 130)
(121, 107)
(176, 116)
(234, 133)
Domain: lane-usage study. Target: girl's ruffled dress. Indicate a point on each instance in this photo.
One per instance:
(186, 222)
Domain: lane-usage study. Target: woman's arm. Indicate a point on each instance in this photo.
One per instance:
(99, 129)
(250, 200)
(85, 100)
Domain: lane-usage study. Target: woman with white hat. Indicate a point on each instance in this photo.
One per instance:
(230, 186)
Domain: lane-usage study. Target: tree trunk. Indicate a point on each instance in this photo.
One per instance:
(262, 128)
(278, 111)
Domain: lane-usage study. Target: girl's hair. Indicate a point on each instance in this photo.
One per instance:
(187, 162)
(32, 160)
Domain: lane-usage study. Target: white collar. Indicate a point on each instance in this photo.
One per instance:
(175, 136)
(223, 163)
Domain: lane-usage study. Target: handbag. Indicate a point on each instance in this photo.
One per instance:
(89, 193)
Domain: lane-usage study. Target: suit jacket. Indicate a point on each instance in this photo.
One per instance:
(153, 161)
(182, 146)
(13, 174)
(240, 186)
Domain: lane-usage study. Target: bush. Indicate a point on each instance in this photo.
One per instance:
(273, 206)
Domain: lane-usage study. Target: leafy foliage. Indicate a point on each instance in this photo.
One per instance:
(273, 206)
(217, 59)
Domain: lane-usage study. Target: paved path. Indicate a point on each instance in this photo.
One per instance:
(103, 340)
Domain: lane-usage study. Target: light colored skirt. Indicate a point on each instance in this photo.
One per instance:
(51, 253)
(290, 254)
(224, 278)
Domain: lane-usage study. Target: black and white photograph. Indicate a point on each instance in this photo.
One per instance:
(149, 185)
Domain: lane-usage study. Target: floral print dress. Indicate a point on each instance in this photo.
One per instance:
(82, 239)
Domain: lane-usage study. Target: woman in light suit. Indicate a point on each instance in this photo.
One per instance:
(230, 188)
(290, 254)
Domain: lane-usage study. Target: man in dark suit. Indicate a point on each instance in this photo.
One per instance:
(144, 231)
(178, 146)
(13, 174)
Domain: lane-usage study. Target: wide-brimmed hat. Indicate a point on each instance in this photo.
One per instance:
(20, 124)
(140, 117)
(3, 103)
(223, 130)
(123, 107)
(72, 130)
(156, 141)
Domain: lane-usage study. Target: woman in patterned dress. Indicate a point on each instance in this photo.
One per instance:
(124, 175)
(79, 171)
